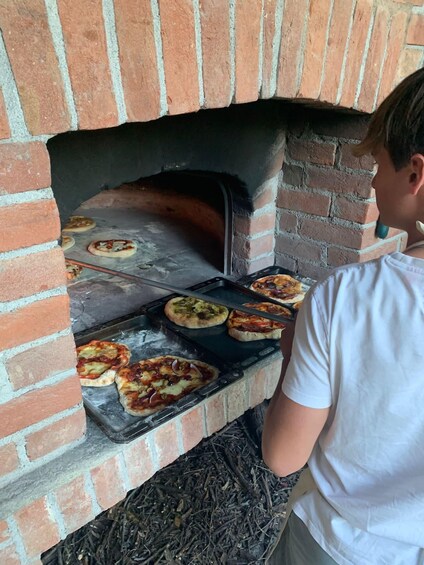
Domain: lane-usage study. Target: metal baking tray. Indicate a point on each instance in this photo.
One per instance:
(145, 338)
(216, 339)
(276, 270)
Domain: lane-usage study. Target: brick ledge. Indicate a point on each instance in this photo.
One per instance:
(98, 473)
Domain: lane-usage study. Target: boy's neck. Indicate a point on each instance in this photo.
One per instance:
(417, 252)
(413, 229)
(415, 238)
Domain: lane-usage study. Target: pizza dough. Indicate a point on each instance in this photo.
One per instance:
(113, 248)
(73, 271)
(193, 313)
(283, 288)
(67, 242)
(248, 327)
(150, 385)
(79, 224)
(98, 361)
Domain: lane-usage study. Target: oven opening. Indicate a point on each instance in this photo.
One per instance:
(181, 226)
(180, 221)
(175, 187)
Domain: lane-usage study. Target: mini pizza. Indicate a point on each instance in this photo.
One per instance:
(67, 242)
(113, 248)
(73, 271)
(98, 361)
(283, 288)
(298, 305)
(153, 384)
(193, 313)
(248, 327)
(79, 224)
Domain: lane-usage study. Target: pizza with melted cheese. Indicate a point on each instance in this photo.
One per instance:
(194, 313)
(248, 327)
(72, 271)
(113, 248)
(152, 384)
(98, 361)
(79, 224)
(67, 242)
(283, 288)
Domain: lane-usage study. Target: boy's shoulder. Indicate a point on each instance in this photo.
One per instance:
(353, 275)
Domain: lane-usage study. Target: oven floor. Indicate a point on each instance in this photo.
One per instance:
(169, 250)
(216, 504)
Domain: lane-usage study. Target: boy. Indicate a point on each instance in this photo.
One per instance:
(352, 399)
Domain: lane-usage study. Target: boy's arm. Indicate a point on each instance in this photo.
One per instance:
(290, 429)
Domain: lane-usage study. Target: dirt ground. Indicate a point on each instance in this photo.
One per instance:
(218, 504)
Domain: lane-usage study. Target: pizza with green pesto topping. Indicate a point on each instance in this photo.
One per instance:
(194, 313)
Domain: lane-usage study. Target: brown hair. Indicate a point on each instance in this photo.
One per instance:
(398, 123)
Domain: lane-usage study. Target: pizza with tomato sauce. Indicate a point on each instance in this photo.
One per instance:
(152, 384)
(248, 327)
(283, 288)
(72, 271)
(113, 248)
(98, 361)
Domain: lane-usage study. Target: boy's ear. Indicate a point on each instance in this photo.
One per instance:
(416, 174)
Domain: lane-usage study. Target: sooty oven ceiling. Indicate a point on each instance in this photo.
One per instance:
(239, 142)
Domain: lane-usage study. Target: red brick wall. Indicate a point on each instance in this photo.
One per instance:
(254, 233)
(40, 405)
(326, 210)
(87, 68)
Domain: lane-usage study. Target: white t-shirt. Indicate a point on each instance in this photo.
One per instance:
(359, 348)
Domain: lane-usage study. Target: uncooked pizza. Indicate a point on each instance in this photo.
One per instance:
(113, 248)
(98, 361)
(67, 242)
(283, 288)
(153, 384)
(79, 224)
(194, 313)
(73, 271)
(248, 327)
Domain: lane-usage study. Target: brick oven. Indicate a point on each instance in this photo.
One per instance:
(281, 89)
